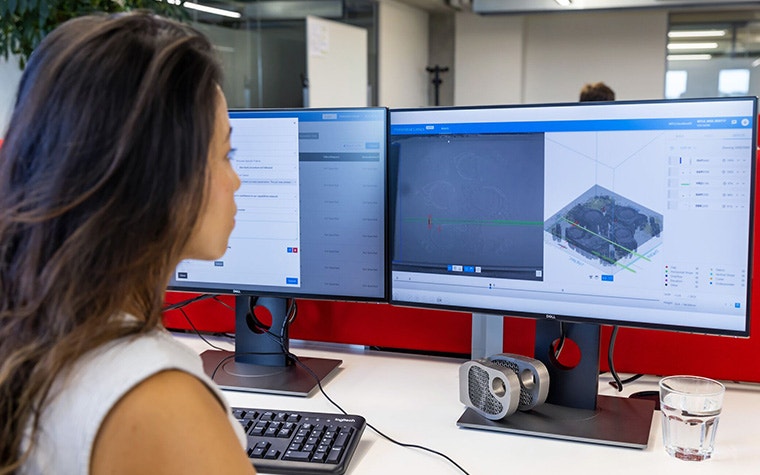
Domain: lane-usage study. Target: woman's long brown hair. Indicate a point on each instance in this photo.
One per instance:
(102, 176)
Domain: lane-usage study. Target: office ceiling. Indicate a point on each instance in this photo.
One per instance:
(737, 20)
(546, 6)
(731, 28)
(293, 9)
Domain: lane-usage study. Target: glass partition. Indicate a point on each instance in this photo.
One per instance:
(713, 54)
(262, 45)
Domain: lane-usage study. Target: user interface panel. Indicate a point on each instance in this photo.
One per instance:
(631, 212)
(311, 216)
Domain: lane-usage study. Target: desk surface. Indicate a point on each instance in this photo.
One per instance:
(415, 400)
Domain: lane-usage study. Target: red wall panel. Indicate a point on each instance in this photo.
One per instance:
(383, 325)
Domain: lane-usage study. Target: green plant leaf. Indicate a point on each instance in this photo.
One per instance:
(23, 23)
(44, 13)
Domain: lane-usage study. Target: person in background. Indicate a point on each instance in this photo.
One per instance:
(596, 92)
(115, 167)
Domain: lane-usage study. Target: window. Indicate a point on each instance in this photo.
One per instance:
(733, 82)
(675, 83)
(713, 54)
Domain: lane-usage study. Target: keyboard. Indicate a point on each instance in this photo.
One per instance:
(298, 442)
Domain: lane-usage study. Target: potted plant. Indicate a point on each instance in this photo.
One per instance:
(23, 23)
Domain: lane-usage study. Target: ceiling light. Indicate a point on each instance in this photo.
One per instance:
(564, 3)
(213, 10)
(697, 34)
(692, 45)
(688, 57)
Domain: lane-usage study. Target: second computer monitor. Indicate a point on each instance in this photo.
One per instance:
(632, 213)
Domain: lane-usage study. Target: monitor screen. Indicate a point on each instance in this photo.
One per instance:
(630, 213)
(311, 214)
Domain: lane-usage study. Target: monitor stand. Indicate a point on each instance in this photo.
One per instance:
(260, 362)
(574, 410)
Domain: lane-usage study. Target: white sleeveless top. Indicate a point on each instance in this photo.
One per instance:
(79, 404)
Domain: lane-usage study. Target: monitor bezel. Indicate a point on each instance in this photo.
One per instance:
(572, 318)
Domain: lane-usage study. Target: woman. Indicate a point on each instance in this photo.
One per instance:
(114, 168)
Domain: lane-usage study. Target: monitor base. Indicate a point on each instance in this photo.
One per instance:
(290, 380)
(617, 421)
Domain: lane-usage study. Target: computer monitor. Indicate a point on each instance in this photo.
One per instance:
(311, 223)
(633, 213)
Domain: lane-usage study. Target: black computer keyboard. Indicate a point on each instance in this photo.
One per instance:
(300, 442)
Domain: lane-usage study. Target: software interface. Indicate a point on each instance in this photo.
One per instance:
(633, 212)
(311, 206)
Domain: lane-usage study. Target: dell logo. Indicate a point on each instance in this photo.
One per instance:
(549, 316)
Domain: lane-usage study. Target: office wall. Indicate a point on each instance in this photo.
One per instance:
(548, 58)
(336, 63)
(488, 59)
(10, 75)
(402, 55)
(624, 49)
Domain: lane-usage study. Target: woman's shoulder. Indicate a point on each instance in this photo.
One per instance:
(135, 368)
(169, 423)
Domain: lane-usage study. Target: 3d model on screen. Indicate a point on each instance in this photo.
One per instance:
(605, 227)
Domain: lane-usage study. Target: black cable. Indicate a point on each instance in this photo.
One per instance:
(197, 332)
(562, 338)
(618, 383)
(632, 378)
(610, 350)
(292, 312)
(291, 316)
(222, 302)
(343, 411)
(381, 434)
(178, 305)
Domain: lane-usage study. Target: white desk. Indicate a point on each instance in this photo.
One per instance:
(415, 400)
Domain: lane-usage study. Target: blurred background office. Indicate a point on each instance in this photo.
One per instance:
(276, 52)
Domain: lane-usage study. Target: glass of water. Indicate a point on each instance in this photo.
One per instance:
(690, 408)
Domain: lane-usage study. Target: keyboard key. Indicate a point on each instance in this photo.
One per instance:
(334, 455)
(281, 417)
(259, 450)
(294, 417)
(301, 456)
(258, 429)
(342, 438)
